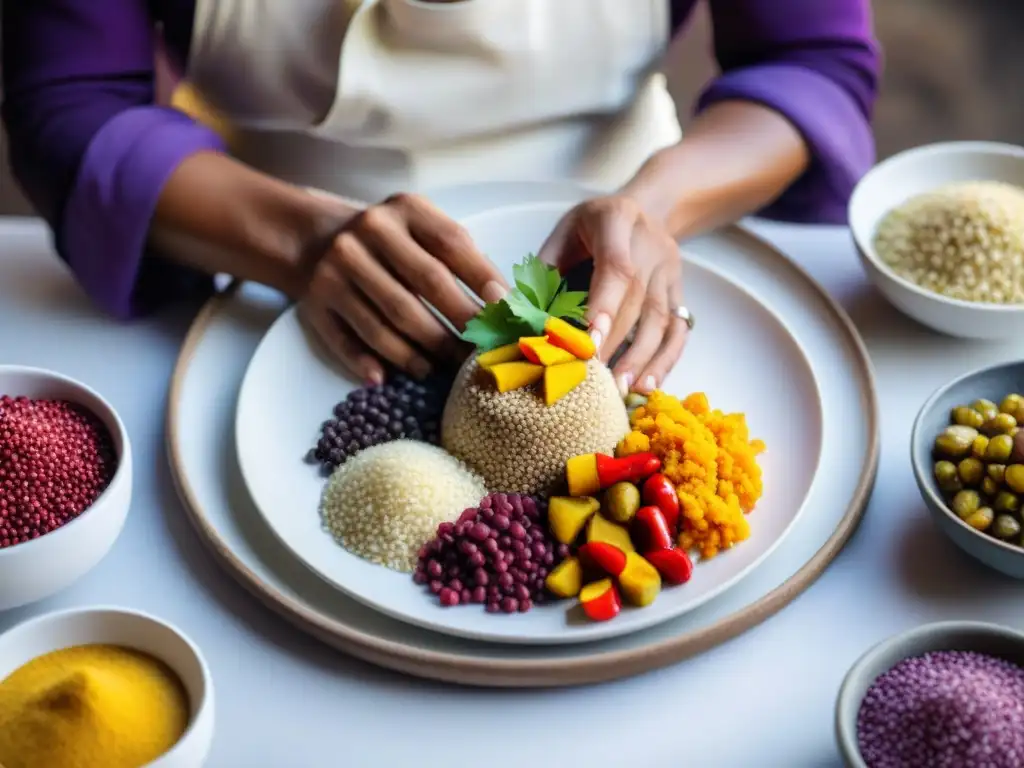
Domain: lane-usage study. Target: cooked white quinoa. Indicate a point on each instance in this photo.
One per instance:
(516, 442)
(385, 502)
(963, 241)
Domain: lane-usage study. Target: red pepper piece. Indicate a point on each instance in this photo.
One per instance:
(604, 556)
(674, 564)
(650, 530)
(601, 600)
(659, 492)
(631, 469)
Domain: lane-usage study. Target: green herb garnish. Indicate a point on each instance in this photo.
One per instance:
(539, 293)
(494, 326)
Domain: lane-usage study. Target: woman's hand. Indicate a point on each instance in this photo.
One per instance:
(638, 281)
(364, 299)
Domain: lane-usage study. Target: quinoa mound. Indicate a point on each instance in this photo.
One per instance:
(516, 442)
(388, 500)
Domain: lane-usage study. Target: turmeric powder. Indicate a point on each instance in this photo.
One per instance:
(90, 706)
(709, 457)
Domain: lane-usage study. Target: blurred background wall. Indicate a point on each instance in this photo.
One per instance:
(953, 69)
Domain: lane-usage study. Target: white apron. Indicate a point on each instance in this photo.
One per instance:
(365, 98)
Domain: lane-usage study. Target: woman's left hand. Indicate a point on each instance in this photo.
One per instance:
(638, 281)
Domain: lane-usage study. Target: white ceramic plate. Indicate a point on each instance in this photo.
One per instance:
(741, 354)
(203, 459)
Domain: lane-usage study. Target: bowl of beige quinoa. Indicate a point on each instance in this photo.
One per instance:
(940, 232)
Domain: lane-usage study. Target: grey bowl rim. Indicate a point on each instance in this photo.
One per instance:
(862, 240)
(923, 477)
(846, 710)
(121, 435)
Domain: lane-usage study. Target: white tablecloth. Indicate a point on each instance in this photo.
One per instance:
(764, 700)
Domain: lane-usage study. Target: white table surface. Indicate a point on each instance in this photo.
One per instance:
(764, 700)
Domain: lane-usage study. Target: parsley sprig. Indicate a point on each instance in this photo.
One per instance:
(539, 293)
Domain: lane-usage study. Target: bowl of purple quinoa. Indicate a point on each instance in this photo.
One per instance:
(944, 694)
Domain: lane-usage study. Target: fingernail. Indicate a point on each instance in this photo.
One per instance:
(625, 381)
(419, 368)
(374, 379)
(493, 291)
(650, 384)
(599, 328)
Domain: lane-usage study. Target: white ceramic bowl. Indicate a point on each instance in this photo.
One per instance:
(129, 629)
(914, 172)
(39, 568)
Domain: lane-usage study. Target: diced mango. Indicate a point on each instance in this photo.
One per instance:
(560, 380)
(515, 375)
(571, 339)
(581, 475)
(566, 579)
(537, 349)
(639, 580)
(601, 529)
(567, 516)
(506, 354)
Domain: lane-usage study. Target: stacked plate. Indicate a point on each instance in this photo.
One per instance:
(769, 344)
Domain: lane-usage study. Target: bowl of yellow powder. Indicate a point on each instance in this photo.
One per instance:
(940, 232)
(103, 687)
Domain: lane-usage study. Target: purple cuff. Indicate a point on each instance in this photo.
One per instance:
(107, 216)
(831, 122)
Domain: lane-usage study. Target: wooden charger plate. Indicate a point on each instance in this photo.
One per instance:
(204, 465)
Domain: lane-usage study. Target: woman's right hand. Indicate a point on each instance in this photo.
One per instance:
(364, 299)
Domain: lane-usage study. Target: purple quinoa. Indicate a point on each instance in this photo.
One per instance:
(947, 709)
(496, 554)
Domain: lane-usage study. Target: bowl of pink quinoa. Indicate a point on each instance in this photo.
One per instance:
(944, 695)
(65, 482)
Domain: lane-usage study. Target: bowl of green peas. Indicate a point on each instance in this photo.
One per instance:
(967, 452)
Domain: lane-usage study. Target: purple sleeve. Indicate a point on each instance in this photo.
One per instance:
(87, 144)
(817, 63)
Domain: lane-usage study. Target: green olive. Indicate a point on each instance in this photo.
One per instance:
(996, 471)
(946, 476)
(971, 471)
(979, 446)
(1000, 424)
(981, 519)
(985, 407)
(1011, 404)
(967, 417)
(989, 487)
(621, 502)
(955, 442)
(1006, 502)
(1005, 527)
(999, 448)
(966, 503)
(1014, 478)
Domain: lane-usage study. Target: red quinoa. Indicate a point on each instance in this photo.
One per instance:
(56, 458)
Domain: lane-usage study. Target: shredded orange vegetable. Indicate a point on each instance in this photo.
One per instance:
(712, 461)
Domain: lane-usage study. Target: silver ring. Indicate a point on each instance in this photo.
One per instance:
(685, 315)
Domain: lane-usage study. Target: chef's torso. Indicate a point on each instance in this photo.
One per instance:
(364, 98)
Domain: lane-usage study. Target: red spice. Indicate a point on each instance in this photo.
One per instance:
(56, 458)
